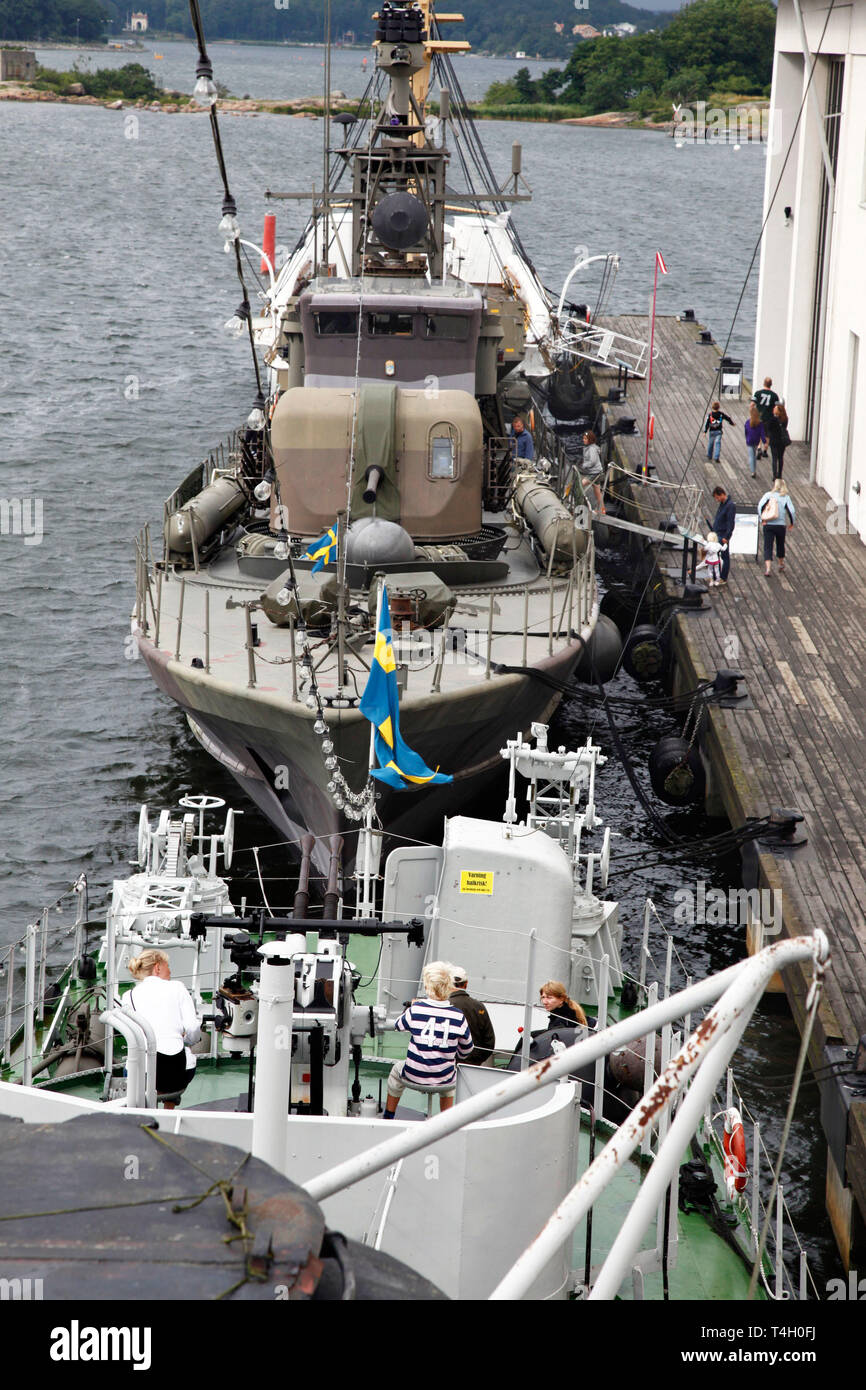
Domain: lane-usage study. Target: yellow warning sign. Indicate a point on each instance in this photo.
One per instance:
(476, 881)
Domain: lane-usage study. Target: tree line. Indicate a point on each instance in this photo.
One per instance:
(709, 46)
(493, 26)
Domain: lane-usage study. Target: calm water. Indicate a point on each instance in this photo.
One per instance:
(115, 377)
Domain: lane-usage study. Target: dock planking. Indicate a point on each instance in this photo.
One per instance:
(799, 646)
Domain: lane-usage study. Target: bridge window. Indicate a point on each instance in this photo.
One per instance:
(452, 328)
(389, 325)
(331, 323)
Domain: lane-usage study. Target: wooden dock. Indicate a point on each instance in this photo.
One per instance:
(802, 648)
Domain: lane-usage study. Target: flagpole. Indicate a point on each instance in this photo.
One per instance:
(649, 387)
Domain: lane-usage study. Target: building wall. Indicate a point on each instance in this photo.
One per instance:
(789, 251)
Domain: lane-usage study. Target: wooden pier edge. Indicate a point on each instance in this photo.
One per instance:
(734, 790)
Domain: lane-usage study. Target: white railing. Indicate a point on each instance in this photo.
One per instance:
(755, 970)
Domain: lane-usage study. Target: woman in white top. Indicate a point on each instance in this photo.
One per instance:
(167, 1005)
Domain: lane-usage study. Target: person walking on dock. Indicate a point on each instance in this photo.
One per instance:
(756, 436)
(778, 514)
(713, 430)
(723, 525)
(777, 434)
(593, 469)
(766, 400)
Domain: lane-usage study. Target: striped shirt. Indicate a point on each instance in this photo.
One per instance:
(439, 1035)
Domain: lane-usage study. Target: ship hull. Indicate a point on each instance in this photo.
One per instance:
(268, 744)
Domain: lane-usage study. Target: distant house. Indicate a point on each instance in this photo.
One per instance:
(137, 22)
(585, 31)
(619, 31)
(17, 65)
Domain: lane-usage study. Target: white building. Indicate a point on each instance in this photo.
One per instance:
(811, 335)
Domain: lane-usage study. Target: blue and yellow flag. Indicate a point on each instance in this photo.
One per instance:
(323, 550)
(398, 765)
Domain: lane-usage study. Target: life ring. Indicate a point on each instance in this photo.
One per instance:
(734, 1143)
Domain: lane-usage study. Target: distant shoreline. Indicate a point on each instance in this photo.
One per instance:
(309, 108)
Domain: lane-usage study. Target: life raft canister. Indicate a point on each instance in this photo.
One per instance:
(734, 1143)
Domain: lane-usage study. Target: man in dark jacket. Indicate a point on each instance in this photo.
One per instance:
(723, 525)
(477, 1017)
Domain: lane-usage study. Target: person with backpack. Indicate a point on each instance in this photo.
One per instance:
(777, 514)
(766, 400)
(713, 430)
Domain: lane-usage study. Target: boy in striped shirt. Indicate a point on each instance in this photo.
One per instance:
(439, 1036)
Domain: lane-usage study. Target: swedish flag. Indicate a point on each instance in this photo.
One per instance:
(398, 765)
(322, 550)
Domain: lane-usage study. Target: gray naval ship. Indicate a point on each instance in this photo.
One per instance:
(398, 340)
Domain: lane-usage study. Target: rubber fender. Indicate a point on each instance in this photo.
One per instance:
(642, 654)
(677, 772)
(600, 658)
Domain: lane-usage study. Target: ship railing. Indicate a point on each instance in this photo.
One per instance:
(606, 347)
(658, 498)
(570, 607)
(782, 1227)
(701, 1060)
(25, 1000)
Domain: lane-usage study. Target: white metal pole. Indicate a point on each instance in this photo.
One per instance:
(758, 968)
(603, 978)
(649, 1061)
(110, 986)
(756, 1186)
(273, 1056)
(29, 1002)
(367, 905)
(526, 1041)
(780, 1243)
(627, 1243)
(732, 1013)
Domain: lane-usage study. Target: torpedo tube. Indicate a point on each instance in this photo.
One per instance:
(204, 514)
(550, 520)
(677, 772)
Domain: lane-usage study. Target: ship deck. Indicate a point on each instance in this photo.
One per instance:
(517, 632)
(803, 655)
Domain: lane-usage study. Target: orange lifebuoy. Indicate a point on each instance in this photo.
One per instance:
(734, 1144)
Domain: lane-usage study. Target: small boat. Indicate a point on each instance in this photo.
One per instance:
(295, 1076)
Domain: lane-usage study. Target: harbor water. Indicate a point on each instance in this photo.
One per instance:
(115, 378)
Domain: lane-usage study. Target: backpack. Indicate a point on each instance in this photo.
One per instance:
(770, 511)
